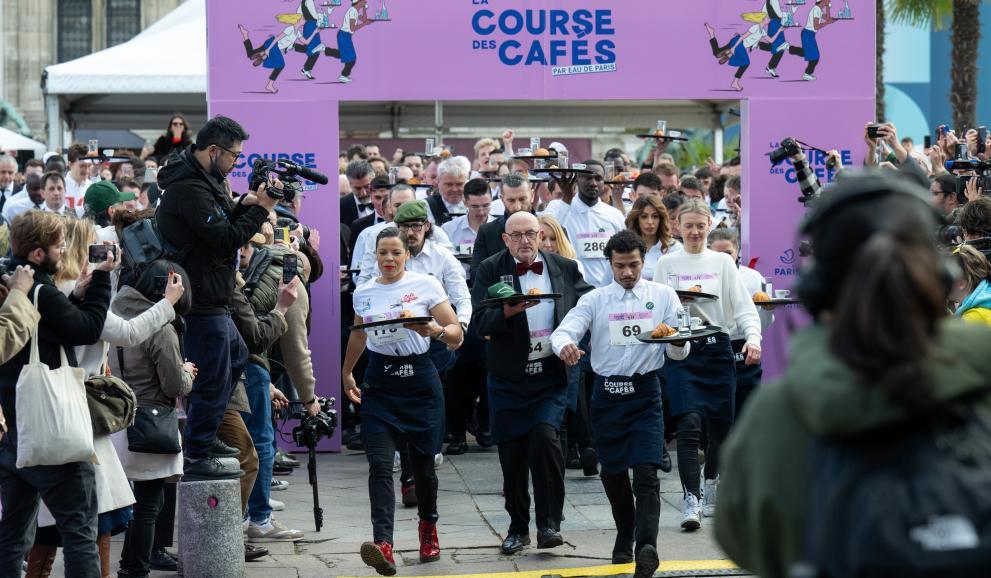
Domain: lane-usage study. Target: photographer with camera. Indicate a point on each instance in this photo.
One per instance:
(199, 217)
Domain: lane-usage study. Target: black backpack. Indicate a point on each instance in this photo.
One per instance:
(912, 500)
(142, 244)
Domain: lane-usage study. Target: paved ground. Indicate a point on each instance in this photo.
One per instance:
(471, 526)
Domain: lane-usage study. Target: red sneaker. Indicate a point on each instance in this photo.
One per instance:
(378, 555)
(429, 545)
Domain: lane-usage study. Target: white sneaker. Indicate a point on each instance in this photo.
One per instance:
(397, 463)
(709, 497)
(438, 460)
(344, 79)
(771, 72)
(692, 519)
(808, 77)
(306, 73)
(276, 505)
(273, 531)
(279, 485)
(244, 525)
(784, 46)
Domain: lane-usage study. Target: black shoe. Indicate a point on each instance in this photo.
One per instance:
(163, 561)
(514, 543)
(122, 573)
(281, 470)
(647, 562)
(622, 551)
(573, 462)
(356, 445)
(665, 460)
(548, 538)
(210, 469)
(457, 447)
(484, 439)
(252, 552)
(221, 450)
(590, 462)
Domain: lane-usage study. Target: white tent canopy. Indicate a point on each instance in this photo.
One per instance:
(132, 85)
(10, 140)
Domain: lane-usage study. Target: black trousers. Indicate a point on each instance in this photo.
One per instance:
(689, 434)
(165, 524)
(380, 449)
(464, 385)
(149, 496)
(537, 454)
(636, 510)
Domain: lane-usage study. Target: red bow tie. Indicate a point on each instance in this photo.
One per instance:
(537, 267)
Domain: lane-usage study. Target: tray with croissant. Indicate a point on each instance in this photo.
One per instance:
(664, 333)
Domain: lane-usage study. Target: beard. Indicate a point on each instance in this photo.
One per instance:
(49, 265)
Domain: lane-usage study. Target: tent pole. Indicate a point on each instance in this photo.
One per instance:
(439, 122)
(717, 146)
(53, 112)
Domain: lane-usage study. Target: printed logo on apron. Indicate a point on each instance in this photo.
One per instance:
(592, 245)
(405, 370)
(710, 340)
(540, 345)
(618, 387)
(535, 368)
(624, 328)
(738, 357)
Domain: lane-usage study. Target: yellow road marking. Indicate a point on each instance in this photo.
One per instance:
(610, 570)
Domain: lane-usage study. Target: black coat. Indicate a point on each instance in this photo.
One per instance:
(349, 210)
(198, 216)
(65, 322)
(488, 242)
(358, 226)
(164, 147)
(509, 346)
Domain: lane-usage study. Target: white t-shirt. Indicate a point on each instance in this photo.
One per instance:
(754, 282)
(715, 273)
(74, 192)
(814, 15)
(374, 301)
(289, 36)
(753, 36)
(351, 14)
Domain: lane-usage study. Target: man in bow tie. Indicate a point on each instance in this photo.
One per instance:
(359, 203)
(527, 384)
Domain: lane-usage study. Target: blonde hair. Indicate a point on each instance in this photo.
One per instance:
(79, 235)
(486, 142)
(696, 206)
(973, 265)
(292, 18)
(564, 247)
(755, 17)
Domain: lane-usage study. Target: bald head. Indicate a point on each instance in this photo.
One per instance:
(523, 236)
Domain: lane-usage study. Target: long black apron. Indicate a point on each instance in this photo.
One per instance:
(747, 376)
(516, 407)
(704, 382)
(627, 422)
(403, 395)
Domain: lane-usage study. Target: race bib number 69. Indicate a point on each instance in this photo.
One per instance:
(624, 328)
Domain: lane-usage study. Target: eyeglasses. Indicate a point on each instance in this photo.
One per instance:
(517, 237)
(415, 227)
(232, 153)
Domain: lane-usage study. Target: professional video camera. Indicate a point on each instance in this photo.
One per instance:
(286, 171)
(307, 434)
(790, 147)
(982, 170)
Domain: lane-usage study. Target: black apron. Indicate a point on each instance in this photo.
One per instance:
(704, 382)
(747, 376)
(442, 358)
(626, 421)
(403, 395)
(515, 407)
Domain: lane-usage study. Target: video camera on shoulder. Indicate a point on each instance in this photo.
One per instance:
(288, 173)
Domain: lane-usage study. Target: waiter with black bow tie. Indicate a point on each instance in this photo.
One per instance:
(527, 383)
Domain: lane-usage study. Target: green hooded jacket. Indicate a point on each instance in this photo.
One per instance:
(760, 516)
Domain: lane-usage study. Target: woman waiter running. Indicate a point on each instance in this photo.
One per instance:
(703, 386)
(401, 396)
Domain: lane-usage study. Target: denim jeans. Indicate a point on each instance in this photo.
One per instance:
(259, 423)
(69, 492)
(214, 345)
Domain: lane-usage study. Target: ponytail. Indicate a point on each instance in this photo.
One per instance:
(884, 321)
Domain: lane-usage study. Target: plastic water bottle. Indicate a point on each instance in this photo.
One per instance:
(684, 323)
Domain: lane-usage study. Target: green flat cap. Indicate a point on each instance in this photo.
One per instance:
(501, 290)
(411, 211)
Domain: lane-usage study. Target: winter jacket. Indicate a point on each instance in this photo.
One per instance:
(197, 215)
(760, 516)
(165, 147)
(259, 333)
(153, 368)
(18, 318)
(65, 322)
(976, 308)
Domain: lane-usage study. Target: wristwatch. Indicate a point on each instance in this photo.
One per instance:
(443, 334)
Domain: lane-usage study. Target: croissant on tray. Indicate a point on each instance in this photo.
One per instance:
(534, 291)
(663, 330)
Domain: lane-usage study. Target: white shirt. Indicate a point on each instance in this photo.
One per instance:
(754, 282)
(498, 208)
(289, 36)
(74, 192)
(367, 262)
(653, 255)
(64, 210)
(351, 14)
(588, 230)
(717, 274)
(610, 313)
(753, 36)
(557, 209)
(540, 318)
(814, 14)
(461, 234)
(775, 9)
(414, 292)
(17, 204)
(437, 261)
